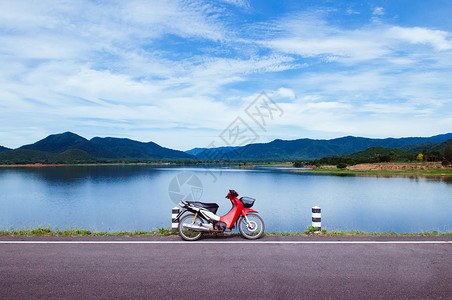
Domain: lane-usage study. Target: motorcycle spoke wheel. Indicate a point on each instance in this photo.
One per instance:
(187, 234)
(252, 230)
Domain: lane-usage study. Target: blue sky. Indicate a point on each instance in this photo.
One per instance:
(180, 72)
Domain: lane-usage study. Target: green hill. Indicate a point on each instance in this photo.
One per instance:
(308, 149)
(379, 152)
(428, 146)
(74, 156)
(24, 156)
(70, 148)
(369, 155)
(58, 143)
(430, 151)
(3, 149)
(132, 150)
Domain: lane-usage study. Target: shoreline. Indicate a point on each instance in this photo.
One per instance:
(39, 165)
(432, 170)
(410, 173)
(382, 169)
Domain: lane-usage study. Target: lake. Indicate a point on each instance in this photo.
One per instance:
(129, 198)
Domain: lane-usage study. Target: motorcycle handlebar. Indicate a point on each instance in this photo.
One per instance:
(233, 193)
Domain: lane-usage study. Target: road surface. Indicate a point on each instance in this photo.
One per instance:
(226, 268)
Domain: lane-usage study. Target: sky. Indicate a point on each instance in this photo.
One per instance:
(188, 74)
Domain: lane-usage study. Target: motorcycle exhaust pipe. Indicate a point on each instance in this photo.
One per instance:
(197, 227)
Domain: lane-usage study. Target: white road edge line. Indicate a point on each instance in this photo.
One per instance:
(226, 242)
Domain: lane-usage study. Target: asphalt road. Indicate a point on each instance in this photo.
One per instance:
(358, 269)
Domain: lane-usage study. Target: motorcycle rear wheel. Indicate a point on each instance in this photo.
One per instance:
(186, 234)
(252, 230)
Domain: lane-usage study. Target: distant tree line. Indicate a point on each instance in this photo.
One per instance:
(372, 156)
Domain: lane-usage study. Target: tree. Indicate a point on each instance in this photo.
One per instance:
(341, 165)
(384, 158)
(448, 153)
(298, 164)
(431, 155)
(420, 157)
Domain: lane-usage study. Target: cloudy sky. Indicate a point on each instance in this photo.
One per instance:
(180, 72)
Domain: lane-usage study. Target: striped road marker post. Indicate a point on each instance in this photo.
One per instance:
(316, 218)
(175, 222)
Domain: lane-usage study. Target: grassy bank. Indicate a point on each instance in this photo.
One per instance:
(359, 233)
(428, 171)
(389, 173)
(45, 231)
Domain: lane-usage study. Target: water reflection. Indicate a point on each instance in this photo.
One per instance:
(80, 173)
(446, 179)
(136, 198)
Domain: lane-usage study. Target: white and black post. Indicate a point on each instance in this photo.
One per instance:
(316, 218)
(175, 222)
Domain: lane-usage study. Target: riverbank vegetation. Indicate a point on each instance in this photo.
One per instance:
(386, 169)
(385, 162)
(385, 155)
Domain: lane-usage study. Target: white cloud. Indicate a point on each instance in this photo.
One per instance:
(21, 15)
(378, 11)
(338, 46)
(439, 39)
(351, 11)
(311, 36)
(395, 109)
(181, 18)
(136, 67)
(239, 3)
(285, 93)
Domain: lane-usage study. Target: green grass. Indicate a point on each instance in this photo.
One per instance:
(437, 172)
(358, 233)
(47, 231)
(410, 172)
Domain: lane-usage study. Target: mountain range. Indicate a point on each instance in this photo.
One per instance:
(308, 149)
(3, 149)
(69, 147)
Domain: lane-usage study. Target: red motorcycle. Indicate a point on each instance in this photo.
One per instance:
(203, 218)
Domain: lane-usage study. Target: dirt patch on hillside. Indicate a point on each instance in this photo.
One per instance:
(397, 166)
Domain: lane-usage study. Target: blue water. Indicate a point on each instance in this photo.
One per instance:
(119, 198)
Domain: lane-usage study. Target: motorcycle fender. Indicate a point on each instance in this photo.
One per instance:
(247, 210)
(181, 213)
(190, 209)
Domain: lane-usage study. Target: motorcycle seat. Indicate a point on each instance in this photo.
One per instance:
(213, 207)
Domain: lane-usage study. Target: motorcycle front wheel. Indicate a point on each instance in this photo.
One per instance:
(253, 229)
(184, 232)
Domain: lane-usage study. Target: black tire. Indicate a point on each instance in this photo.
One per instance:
(189, 235)
(257, 227)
